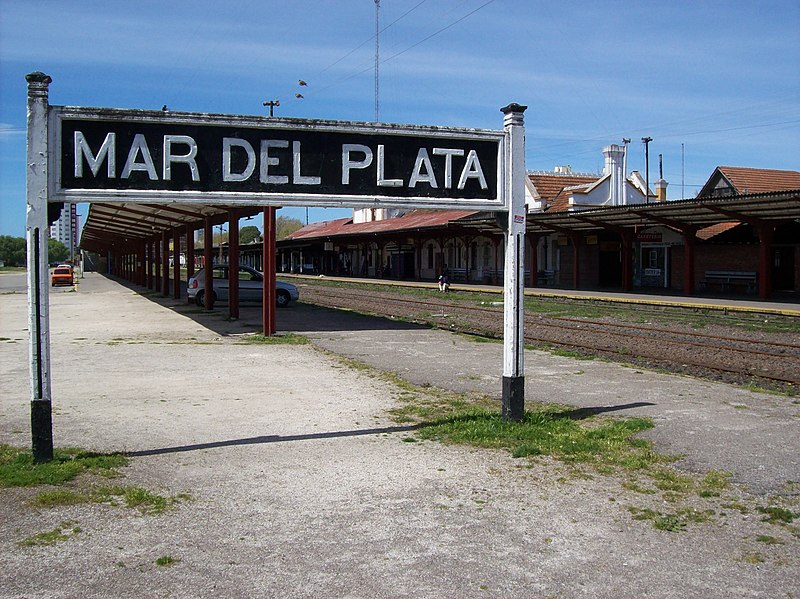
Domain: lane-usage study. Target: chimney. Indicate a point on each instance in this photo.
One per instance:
(661, 190)
(614, 166)
(661, 185)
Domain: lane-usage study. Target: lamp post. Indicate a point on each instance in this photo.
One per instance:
(646, 141)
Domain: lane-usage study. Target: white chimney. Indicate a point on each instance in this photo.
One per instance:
(614, 161)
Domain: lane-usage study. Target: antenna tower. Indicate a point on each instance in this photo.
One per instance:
(377, 59)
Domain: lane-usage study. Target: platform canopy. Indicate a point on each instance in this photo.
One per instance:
(123, 225)
(775, 206)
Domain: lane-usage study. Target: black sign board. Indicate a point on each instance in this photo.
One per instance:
(129, 153)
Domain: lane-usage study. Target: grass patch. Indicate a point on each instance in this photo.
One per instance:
(282, 339)
(17, 468)
(674, 521)
(777, 515)
(166, 561)
(548, 430)
(769, 540)
(117, 495)
(63, 532)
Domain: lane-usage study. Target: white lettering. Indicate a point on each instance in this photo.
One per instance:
(107, 151)
(189, 158)
(348, 164)
(297, 178)
(233, 142)
(418, 176)
(448, 154)
(268, 161)
(139, 146)
(382, 180)
(472, 170)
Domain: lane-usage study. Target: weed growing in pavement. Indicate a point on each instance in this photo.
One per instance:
(777, 515)
(769, 540)
(282, 339)
(62, 532)
(17, 468)
(167, 560)
(673, 521)
(128, 496)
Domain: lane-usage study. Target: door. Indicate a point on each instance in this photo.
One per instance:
(783, 268)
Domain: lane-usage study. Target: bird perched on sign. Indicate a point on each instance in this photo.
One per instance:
(301, 82)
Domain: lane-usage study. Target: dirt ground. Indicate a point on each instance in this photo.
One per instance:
(299, 484)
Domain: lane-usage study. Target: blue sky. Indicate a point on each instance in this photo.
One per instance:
(721, 78)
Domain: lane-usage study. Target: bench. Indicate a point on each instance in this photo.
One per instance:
(730, 280)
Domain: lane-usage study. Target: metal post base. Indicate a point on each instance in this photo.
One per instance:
(42, 430)
(513, 397)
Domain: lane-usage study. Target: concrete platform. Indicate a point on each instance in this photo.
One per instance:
(302, 486)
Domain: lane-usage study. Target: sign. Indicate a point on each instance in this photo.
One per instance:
(649, 237)
(158, 156)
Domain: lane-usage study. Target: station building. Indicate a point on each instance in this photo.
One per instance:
(585, 231)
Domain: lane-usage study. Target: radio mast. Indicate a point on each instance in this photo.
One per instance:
(377, 59)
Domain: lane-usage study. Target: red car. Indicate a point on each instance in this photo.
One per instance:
(62, 275)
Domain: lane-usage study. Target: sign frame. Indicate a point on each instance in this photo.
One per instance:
(57, 115)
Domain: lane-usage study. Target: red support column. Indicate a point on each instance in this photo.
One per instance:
(165, 264)
(627, 259)
(189, 251)
(157, 265)
(142, 263)
(268, 259)
(150, 263)
(766, 232)
(176, 263)
(688, 261)
(208, 265)
(233, 263)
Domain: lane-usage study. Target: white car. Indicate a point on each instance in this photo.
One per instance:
(250, 286)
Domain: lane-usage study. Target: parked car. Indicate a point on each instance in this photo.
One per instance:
(251, 284)
(62, 275)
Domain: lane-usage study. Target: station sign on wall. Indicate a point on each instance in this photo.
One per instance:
(108, 154)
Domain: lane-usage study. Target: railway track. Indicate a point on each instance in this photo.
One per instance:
(731, 355)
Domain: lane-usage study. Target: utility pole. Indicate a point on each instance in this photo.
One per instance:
(646, 141)
(625, 142)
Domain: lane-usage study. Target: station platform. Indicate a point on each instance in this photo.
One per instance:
(784, 306)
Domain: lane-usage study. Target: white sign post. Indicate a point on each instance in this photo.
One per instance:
(38, 284)
(514, 272)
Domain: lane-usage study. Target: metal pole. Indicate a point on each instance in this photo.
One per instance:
(514, 273)
(647, 141)
(37, 261)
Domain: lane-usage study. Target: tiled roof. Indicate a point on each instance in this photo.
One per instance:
(550, 187)
(760, 180)
(416, 219)
(714, 230)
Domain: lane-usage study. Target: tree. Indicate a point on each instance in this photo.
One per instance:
(57, 251)
(285, 226)
(12, 250)
(249, 234)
